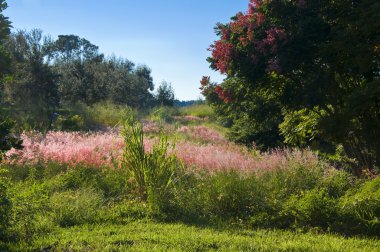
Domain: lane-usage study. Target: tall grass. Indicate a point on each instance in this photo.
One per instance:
(154, 171)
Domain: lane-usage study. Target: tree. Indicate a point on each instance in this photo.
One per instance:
(315, 62)
(7, 139)
(32, 89)
(165, 94)
(5, 25)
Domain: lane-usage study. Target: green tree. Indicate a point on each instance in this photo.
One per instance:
(32, 90)
(318, 59)
(8, 140)
(165, 94)
(5, 25)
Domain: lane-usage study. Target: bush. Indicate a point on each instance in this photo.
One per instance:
(76, 207)
(360, 208)
(30, 207)
(73, 123)
(107, 114)
(314, 208)
(164, 114)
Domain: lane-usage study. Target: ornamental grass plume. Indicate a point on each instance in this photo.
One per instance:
(72, 148)
(102, 149)
(203, 133)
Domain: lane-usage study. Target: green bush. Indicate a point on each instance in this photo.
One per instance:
(30, 207)
(164, 114)
(310, 209)
(336, 182)
(107, 114)
(71, 123)
(360, 208)
(76, 207)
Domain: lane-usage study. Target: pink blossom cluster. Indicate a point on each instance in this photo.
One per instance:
(223, 52)
(203, 133)
(150, 127)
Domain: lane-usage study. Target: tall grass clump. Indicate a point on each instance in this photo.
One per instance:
(154, 171)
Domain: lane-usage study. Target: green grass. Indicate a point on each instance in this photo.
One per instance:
(200, 110)
(151, 236)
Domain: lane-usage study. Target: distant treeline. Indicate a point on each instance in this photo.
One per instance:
(45, 74)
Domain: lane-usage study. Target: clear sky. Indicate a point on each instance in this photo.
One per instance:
(169, 36)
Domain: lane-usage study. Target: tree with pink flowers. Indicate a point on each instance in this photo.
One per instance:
(301, 73)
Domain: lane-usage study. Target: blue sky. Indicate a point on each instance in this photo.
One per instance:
(170, 36)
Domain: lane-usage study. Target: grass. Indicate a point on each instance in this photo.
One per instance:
(151, 236)
(301, 205)
(199, 110)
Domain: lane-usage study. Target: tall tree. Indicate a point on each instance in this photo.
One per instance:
(7, 139)
(165, 94)
(319, 60)
(32, 88)
(5, 25)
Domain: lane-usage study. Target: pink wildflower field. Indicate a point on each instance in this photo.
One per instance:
(103, 149)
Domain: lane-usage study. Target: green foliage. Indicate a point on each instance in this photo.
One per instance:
(253, 119)
(5, 204)
(154, 171)
(5, 26)
(165, 94)
(199, 110)
(29, 205)
(107, 114)
(308, 68)
(361, 208)
(73, 123)
(153, 236)
(163, 114)
(300, 128)
(316, 198)
(32, 90)
(314, 208)
(8, 139)
(75, 207)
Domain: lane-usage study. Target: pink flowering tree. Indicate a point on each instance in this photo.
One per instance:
(301, 72)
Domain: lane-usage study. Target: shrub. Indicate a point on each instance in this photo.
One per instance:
(71, 123)
(30, 205)
(107, 114)
(336, 182)
(360, 208)
(314, 208)
(164, 114)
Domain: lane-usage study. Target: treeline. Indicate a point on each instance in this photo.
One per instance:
(46, 74)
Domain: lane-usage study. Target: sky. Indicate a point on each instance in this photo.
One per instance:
(169, 36)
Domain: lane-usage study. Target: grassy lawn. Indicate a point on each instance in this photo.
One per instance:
(150, 236)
